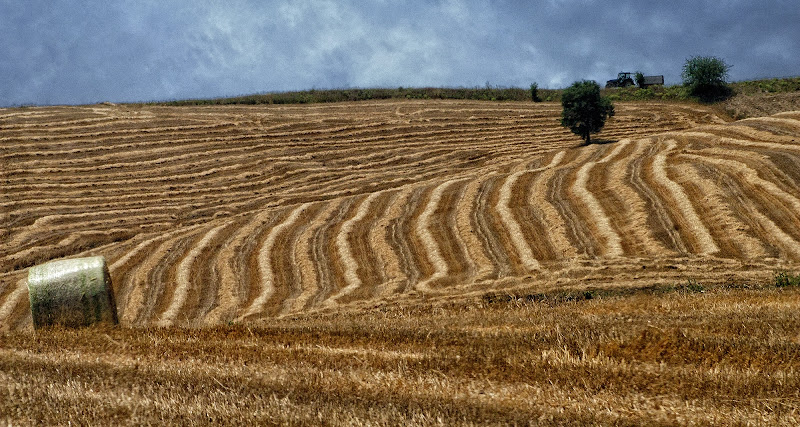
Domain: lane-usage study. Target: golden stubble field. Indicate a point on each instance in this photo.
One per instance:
(391, 262)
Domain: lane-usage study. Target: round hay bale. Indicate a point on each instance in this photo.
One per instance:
(71, 293)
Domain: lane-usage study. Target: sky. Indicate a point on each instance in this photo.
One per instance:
(89, 51)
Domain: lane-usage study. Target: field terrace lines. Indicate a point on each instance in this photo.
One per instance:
(612, 246)
(520, 242)
(305, 262)
(428, 237)
(382, 236)
(211, 215)
(184, 277)
(703, 243)
(266, 273)
(346, 251)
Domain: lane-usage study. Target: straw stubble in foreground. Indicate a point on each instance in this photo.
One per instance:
(725, 356)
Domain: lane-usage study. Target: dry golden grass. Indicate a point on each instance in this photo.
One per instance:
(403, 262)
(233, 213)
(762, 104)
(724, 356)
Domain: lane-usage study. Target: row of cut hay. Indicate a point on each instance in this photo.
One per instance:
(423, 254)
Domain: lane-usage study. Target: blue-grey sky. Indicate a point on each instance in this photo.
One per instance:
(87, 51)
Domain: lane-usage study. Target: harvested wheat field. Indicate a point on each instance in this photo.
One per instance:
(395, 262)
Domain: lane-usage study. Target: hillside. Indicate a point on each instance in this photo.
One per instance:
(406, 263)
(210, 215)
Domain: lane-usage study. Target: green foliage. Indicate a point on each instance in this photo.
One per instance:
(487, 93)
(585, 110)
(752, 87)
(783, 279)
(535, 92)
(639, 78)
(632, 93)
(705, 77)
(692, 286)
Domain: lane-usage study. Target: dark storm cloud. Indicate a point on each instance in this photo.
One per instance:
(88, 51)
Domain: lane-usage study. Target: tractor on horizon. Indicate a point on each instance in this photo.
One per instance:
(623, 79)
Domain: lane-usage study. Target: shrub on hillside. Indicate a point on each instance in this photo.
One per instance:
(535, 92)
(706, 78)
(639, 79)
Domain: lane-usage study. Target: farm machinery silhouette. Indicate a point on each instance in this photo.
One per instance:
(626, 79)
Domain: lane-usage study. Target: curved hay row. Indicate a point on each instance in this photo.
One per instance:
(504, 204)
(763, 199)
(632, 199)
(305, 262)
(559, 196)
(676, 196)
(215, 148)
(430, 244)
(232, 269)
(265, 269)
(612, 246)
(184, 276)
(15, 297)
(328, 212)
(381, 236)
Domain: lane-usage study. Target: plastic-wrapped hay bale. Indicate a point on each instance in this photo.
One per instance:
(72, 293)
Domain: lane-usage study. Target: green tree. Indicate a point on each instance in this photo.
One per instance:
(639, 79)
(535, 92)
(585, 111)
(705, 77)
